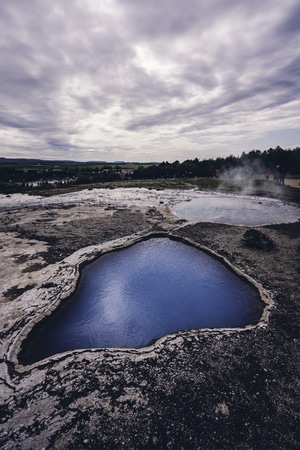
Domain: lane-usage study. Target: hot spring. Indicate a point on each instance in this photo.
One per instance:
(131, 297)
(237, 210)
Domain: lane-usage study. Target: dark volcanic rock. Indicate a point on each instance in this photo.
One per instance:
(204, 389)
(258, 240)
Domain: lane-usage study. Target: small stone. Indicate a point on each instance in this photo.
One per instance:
(222, 409)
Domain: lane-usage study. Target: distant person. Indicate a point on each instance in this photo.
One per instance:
(217, 173)
(268, 173)
(282, 175)
(276, 174)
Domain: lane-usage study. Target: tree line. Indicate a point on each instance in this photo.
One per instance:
(19, 176)
(254, 163)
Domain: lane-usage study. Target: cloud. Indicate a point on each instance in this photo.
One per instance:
(131, 78)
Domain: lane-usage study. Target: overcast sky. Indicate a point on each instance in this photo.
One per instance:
(148, 80)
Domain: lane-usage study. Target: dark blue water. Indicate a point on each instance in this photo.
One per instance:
(134, 296)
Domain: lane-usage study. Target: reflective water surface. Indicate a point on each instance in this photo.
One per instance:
(132, 297)
(237, 210)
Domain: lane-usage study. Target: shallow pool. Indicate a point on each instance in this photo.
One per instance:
(132, 297)
(237, 210)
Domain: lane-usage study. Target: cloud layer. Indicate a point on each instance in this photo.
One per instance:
(145, 80)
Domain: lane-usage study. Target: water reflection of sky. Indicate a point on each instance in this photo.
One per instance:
(131, 297)
(237, 210)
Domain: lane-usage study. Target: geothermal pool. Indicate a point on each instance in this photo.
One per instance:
(132, 297)
(191, 204)
(237, 210)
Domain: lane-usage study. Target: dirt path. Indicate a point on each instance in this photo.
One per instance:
(292, 182)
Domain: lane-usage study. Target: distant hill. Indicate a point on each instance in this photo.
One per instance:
(27, 161)
(35, 161)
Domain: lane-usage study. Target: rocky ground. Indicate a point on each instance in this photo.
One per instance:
(202, 389)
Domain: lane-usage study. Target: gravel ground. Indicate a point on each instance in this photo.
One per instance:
(202, 389)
